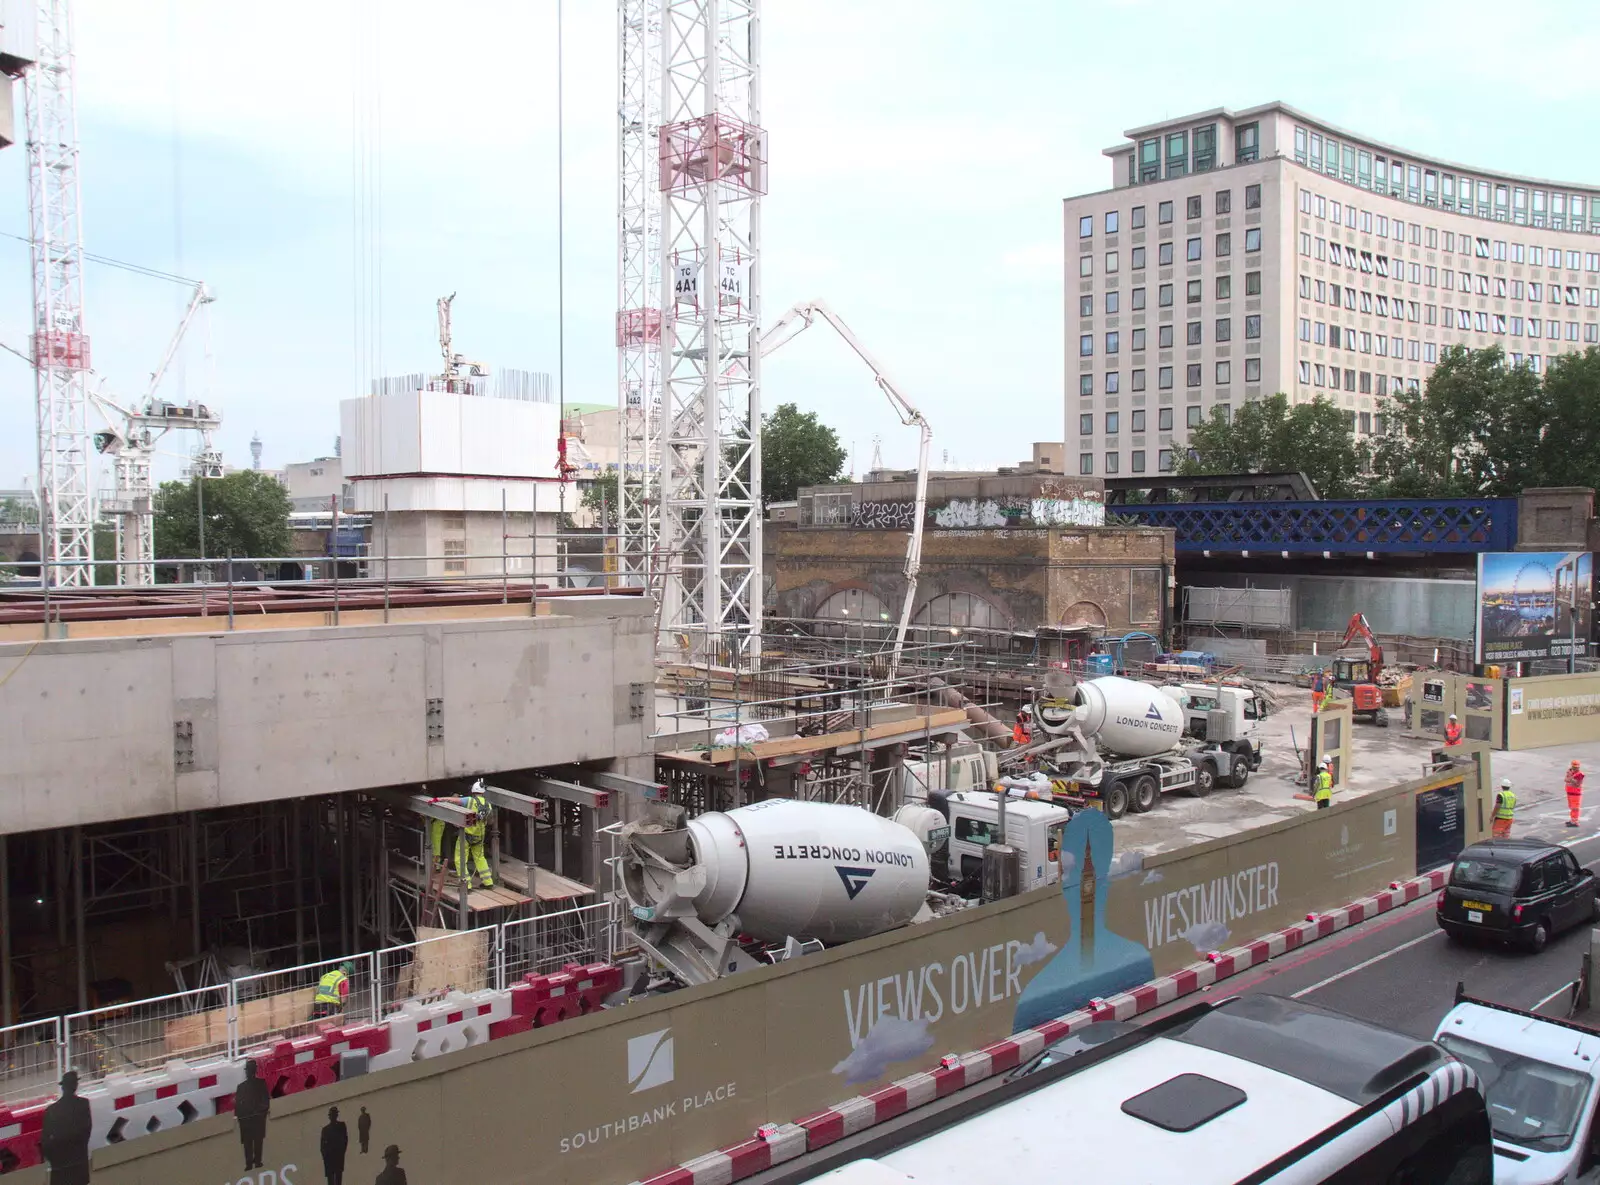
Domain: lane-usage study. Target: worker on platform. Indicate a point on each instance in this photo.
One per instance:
(1505, 809)
(1322, 793)
(1020, 733)
(1574, 792)
(333, 992)
(1452, 732)
(469, 845)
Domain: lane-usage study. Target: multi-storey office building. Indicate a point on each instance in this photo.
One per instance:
(1243, 253)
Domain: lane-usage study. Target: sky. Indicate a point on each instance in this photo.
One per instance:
(329, 169)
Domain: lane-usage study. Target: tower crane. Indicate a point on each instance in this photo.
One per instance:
(785, 329)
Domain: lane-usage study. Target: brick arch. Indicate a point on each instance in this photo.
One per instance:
(1085, 613)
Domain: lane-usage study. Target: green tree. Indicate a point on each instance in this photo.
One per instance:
(797, 450)
(1270, 436)
(1568, 454)
(247, 514)
(1474, 429)
(18, 510)
(601, 494)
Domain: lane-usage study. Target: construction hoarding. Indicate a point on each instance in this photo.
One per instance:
(1534, 604)
(1552, 710)
(614, 1096)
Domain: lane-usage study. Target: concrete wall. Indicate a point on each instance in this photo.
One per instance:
(108, 729)
(1555, 519)
(478, 533)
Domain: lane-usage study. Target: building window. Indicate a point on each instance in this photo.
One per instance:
(1113, 383)
(1224, 372)
(1164, 419)
(1305, 373)
(455, 551)
(1138, 380)
(1086, 226)
(1138, 299)
(1113, 341)
(1138, 339)
(1247, 143)
(1194, 291)
(1194, 249)
(1224, 244)
(1150, 159)
(1194, 374)
(1085, 463)
(1224, 329)
(1164, 296)
(1252, 240)
(1111, 263)
(1086, 424)
(1113, 423)
(1252, 370)
(1177, 154)
(1164, 213)
(1137, 221)
(1111, 222)
(1164, 460)
(1252, 326)
(1085, 306)
(1086, 265)
(1111, 462)
(1137, 461)
(1138, 259)
(1224, 287)
(1195, 417)
(1194, 338)
(1164, 254)
(1252, 283)
(1164, 378)
(1086, 346)
(1205, 149)
(1113, 301)
(1193, 204)
(1138, 421)
(1086, 384)
(1164, 337)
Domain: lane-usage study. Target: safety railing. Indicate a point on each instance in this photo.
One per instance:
(30, 1059)
(134, 1036)
(281, 1005)
(228, 1020)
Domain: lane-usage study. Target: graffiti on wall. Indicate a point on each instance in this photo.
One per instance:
(1077, 510)
(884, 516)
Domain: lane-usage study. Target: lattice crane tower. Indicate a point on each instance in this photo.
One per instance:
(712, 173)
(638, 282)
(60, 345)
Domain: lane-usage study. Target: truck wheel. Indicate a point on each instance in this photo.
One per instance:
(1144, 794)
(1205, 779)
(1116, 800)
(1239, 771)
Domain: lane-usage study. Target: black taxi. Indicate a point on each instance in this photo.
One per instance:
(1523, 891)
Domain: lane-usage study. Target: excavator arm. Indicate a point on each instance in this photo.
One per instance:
(1358, 631)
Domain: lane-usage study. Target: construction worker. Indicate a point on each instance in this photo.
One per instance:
(1322, 791)
(1019, 731)
(1452, 732)
(1574, 791)
(469, 844)
(1318, 690)
(1505, 808)
(333, 991)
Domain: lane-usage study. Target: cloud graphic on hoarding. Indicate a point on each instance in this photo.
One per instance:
(1152, 877)
(1124, 863)
(1205, 936)
(890, 1040)
(1029, 953)
(1069, 867)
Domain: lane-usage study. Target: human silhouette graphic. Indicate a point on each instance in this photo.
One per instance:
(335, 1141)
(392, 1173)
(251, 1102)
(364, 1130)
(64, 1136)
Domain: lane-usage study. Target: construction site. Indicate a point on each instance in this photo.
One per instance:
(491, 812)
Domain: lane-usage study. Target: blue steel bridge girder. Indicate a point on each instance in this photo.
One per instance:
(1381, 526)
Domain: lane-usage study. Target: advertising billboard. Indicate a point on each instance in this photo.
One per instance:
(1534, 604)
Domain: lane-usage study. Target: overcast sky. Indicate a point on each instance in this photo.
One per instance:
(919, 152)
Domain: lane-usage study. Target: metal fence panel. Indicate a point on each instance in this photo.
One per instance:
(466, 962)
(278, 1005)
(544, 944)
(30, 1060)
(126, 1038)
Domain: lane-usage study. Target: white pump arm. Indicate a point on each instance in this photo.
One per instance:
(788, 327)
(201, 296)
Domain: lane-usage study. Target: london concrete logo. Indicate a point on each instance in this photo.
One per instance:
(855, 879)
(1154, 714)
(650, 1060)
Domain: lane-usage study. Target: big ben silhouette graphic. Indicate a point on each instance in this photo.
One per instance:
(1094, 962)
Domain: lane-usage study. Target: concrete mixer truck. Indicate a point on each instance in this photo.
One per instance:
(1124, 743)
(731, 890)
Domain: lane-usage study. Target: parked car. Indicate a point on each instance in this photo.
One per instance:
(1522, 891)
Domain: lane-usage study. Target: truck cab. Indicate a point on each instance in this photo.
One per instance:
(1224, 718)
(963, 766)
(1034, 828)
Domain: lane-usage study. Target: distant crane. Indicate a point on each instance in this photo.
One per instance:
(458, 370)
(788, 327)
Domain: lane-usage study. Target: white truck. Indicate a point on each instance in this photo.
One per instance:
(1125, 743)
(965, 765)
(1541, 1080)
(729, 890)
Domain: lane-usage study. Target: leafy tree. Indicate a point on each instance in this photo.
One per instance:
(1569, 452)
(18, 510)
(1270, 436)
(247, 514)
(602, 494)
(1474, 429)
(797, 450)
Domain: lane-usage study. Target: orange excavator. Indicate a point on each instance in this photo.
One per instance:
(1356, 666)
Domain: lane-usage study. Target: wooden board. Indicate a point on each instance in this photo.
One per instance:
(268, 1013)
(792, 746)
(457, 960)
(499, 897)
(550, 886)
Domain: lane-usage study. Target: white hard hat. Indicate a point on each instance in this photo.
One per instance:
(1327, 761)
(1452, 715)
(1505, 783)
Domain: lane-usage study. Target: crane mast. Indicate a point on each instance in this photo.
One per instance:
(60, 343)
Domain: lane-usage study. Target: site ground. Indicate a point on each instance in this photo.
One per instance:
(1382, 757)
